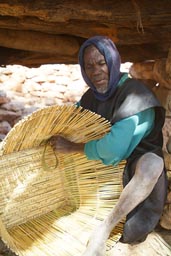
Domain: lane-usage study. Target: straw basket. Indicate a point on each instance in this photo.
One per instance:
(50, 203)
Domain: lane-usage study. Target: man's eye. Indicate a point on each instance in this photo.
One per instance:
(102, 63)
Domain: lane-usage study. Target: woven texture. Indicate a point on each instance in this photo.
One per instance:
(50, 203)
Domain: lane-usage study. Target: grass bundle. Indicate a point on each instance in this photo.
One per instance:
(50, 203)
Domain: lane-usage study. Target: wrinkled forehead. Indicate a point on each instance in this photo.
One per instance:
(92, 48)
(92, 53)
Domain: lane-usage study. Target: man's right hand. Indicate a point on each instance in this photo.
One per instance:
(62, 145)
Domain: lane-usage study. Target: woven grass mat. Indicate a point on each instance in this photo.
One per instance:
(50, 203)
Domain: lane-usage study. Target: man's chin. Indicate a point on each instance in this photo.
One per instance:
(101, 91)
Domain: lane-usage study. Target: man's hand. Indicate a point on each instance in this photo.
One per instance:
(62, 145)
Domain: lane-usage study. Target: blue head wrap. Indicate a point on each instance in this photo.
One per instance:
(108, 49)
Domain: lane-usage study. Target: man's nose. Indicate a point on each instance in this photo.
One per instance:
(96, 70)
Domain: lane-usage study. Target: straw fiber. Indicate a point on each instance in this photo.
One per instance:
(50, 203)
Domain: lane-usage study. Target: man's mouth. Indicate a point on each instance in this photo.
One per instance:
(99, 82)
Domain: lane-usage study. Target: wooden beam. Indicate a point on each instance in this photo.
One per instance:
(33, 59)
(38, 41)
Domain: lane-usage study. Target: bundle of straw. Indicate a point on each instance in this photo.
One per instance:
(50, 204)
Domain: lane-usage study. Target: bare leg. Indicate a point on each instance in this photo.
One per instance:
(136, 191)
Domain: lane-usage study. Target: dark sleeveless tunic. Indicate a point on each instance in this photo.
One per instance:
(128, 99)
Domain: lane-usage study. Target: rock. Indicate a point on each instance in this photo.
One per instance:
(13, 106)
(3, 97)
(5, 127)
(2, 137)
(9, 116)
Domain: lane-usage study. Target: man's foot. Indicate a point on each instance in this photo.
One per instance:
(97, 242)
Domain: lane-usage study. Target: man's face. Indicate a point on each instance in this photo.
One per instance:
(96, 68)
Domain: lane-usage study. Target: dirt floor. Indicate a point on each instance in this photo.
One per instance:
(158, 243)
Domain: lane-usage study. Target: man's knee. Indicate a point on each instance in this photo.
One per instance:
(150, 166)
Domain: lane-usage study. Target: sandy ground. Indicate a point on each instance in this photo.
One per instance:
(158, 243)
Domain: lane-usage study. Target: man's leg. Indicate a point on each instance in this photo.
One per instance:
(145, 217)
(148, 170)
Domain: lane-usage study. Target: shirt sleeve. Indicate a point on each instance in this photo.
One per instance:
(122, 139)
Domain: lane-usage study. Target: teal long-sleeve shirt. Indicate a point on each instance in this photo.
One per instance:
(122, 139)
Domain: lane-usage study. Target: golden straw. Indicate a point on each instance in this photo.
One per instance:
(50, 203)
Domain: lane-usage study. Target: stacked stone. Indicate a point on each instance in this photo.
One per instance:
(24, 90)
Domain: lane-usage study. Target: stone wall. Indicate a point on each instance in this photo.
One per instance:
(24, 90)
